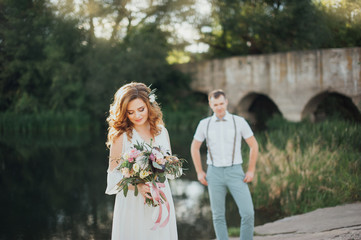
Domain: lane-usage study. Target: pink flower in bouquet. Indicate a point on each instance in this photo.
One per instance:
(152, 157)
(161, 161)
(134, 153)
(172, 159)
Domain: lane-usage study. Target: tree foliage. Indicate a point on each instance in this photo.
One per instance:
(39, 57)
(239, 27)
(140, 57)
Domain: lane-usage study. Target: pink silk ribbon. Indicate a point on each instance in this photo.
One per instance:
(157, 194)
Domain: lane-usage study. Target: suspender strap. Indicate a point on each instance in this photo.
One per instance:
(209, 149)
(235, 138)
(234, 141)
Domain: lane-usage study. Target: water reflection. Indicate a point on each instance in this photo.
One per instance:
(53, 188)
(192, 210)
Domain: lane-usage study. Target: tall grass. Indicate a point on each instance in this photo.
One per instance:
(45, 122)
(304, 166)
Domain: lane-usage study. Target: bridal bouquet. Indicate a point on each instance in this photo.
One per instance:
(150, 165)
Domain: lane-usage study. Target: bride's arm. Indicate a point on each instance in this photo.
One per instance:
(115, 153)
(114, 176)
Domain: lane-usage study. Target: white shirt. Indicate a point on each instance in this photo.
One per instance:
(221, 138)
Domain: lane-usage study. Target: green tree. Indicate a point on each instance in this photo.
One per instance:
(343, 21)
(40, 54)
(240, 27)
(24, 28)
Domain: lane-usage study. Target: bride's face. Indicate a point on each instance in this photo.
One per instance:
(137, 112)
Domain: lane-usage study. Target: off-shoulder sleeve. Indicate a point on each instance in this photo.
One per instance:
(113, 179)
(166, 140)
(114, 176)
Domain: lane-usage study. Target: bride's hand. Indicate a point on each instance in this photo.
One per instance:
(144, 189)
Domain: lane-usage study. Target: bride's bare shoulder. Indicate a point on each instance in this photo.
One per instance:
(119, 139)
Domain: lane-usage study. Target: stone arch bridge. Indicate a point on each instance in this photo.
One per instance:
(294, 81)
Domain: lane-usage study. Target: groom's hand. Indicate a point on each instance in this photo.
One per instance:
(202, 178)
(249, 177)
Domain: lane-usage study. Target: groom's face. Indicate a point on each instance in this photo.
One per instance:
(219, 105)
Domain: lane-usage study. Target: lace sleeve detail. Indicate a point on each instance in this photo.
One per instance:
(113, 163)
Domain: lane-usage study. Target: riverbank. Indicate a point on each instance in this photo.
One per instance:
(341, 222)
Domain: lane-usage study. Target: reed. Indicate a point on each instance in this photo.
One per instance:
(305, 166)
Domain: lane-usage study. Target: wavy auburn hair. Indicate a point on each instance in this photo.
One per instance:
(118, 120)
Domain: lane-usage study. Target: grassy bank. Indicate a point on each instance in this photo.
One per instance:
(46, 122)
(305, 166)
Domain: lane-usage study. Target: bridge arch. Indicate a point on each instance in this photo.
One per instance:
(327, 104)
(257, 108)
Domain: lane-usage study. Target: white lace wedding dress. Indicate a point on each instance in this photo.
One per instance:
(132, 219)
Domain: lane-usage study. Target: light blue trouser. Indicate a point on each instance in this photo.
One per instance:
(219, 179)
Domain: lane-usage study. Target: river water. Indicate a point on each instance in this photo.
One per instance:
(52, 187)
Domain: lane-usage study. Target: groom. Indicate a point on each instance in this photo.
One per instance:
(223, 133)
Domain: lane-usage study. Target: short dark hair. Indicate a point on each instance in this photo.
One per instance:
(216, 94)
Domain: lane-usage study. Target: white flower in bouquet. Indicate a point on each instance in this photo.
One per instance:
(144, 174)
(136, 167)
(157, 154)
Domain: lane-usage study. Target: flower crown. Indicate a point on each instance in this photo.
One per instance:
(152, 97)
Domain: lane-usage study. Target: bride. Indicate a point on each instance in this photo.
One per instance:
(135, 116)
